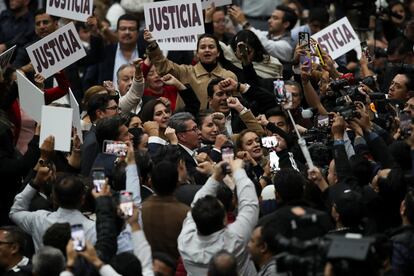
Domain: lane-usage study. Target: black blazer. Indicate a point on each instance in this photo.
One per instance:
(196, 177)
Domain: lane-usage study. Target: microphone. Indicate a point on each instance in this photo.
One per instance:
(308, 113)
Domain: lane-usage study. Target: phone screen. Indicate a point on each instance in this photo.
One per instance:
(115, 147)
(323, 120)
(98, 176)
(274, 161)
(304, 39)
(126, 203)
(78, 237)
(270, 142)
(365, 50)
(227, 154)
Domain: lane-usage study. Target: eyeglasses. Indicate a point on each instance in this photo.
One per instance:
(195, 129)
(115, 107)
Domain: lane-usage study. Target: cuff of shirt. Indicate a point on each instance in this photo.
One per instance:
(157, 140)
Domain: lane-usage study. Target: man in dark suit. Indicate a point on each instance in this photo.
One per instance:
(188, 136)
(12, 246)
(99, 106)
(123, 52)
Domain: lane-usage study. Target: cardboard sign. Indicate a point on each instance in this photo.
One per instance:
(76, 120)
(78, 10)
(56, 51)
(338, 38)
(57, 121)
(5, 57)
(206, 3)
(31, 98)
(182, 43)
(174, 18)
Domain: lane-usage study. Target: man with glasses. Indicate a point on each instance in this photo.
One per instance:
(123, 52)
(188, 136)
(12, 245)
(99, 106)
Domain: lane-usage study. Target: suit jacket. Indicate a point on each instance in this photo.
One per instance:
(191, 165)
(106, 67)
(163, 218)
(90, 150)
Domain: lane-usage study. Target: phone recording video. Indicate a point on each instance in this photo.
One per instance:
(98, 176)
(117, 148)
(270, 142)
(126, 204)
(78, 237)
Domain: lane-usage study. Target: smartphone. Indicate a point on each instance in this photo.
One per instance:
(117, 148)
(126, 204)
(304, 39)
(270, 142)
(323, 121)
(405, 124)
(227, 154)
(365, 50)
(282, 96)
(98, 176)
(274, 161)
(78, 237)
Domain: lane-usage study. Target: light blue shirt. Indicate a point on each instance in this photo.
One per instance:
(121, 60)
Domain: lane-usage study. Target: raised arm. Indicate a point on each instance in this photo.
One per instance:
(134, 95)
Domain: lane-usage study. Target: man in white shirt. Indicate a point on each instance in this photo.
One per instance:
(205, 232)
(277, 40)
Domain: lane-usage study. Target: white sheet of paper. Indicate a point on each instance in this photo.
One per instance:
(182, 43)
(338, 38)
(57, 121)
(218, 3)
(56, 51)
(31, 98)
(76, 120)
(66, 9)
(6, 56)
(174, 18)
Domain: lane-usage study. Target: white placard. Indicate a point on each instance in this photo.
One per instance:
(5, 57)
(76, 120)
(56, 51)
(78, 10)
(338, 38)
(174, 18)
(182, 43)
(31, 98)
(206, 3)
(57, 121)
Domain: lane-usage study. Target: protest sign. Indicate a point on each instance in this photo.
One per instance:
(76, 120)
(56, 51)
(206, 3)
(57, 121)
(338, 38)
(5, 57)
(31, 98)
(174, 18)
(181, 43)
(78, 10)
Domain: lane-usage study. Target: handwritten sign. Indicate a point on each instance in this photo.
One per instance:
(56, 51)
(174, 18)
(181, 43)
(31, 98)
(338, 38)
(206, 3)
(5, 57)
(78, 10)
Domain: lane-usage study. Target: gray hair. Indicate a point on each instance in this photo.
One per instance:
(177, 121)
(48, 261)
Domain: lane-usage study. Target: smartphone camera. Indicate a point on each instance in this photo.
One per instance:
(126, 204)
(227, 154)
(270, 142)
(78, 237)
(117, 148)
(98, 176)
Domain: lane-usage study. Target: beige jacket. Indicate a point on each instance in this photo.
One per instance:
(195, 75)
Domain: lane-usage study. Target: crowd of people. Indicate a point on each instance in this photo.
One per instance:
(251, 155)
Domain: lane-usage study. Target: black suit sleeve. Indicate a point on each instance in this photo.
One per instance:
(260, 99)
(106, 232)
(192, 103)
